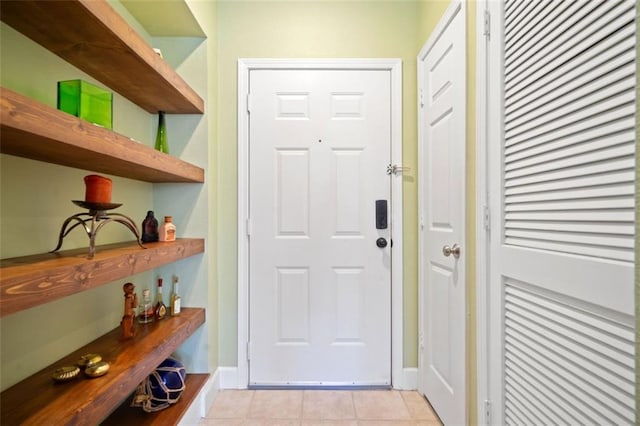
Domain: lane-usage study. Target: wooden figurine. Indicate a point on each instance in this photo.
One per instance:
(130, 305)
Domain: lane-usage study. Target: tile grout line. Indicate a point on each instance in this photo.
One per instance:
(248, 412)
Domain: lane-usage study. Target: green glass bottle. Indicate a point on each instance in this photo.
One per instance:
(162, 144)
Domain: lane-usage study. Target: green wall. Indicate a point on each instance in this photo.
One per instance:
(310, 29)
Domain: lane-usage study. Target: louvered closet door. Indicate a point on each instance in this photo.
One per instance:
(562, 253)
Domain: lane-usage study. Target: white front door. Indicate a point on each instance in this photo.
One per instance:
(319, 270)
(441, 69)
(561, 166)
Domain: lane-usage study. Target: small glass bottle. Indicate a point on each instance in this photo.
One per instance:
(162, 143)
(145, 315)
(150, 228)
(160, 309)
(175, 298)
(167, 230)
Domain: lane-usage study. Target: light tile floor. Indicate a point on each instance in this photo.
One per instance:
(319, 407)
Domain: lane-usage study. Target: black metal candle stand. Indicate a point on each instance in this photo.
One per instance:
(94, 221)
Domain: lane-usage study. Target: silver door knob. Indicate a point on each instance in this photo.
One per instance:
(448, 251)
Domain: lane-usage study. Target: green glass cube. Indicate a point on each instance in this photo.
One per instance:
(86, 101)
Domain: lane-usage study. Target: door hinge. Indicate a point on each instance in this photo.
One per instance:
(248, 103)
(486, 218)
(421, 99)
(487, 412)
(248, 351)
(487, 25)
(248, 227)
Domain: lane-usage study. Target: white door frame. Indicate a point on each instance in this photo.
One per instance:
(395, 68)
(484, 28)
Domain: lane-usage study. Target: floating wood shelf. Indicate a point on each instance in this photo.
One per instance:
(126, 415)
(38, 400)
(92, 36)
(30, 281)
(32, 130)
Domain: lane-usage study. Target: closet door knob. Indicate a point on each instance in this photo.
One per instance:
(448, 251)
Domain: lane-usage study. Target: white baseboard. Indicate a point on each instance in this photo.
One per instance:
(409, 380)
(229, 378)
(203, 401)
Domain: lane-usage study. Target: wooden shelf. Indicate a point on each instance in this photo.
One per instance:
(125, 415)
(38, 400)
(91, 35)
(30, 281)
(32, 130)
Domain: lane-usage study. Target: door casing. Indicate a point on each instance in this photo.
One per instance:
(483, 94)
(395, 67)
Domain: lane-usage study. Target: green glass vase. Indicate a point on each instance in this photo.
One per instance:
(162, 143)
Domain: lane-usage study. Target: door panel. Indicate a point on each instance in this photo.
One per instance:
(561, 179)
(320, 288)
(442, 204)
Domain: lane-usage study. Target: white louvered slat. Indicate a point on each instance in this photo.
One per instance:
(563, 78)
(585, 170)
(600, 251)
(545, 399)
(537, 138)
(534, 23)
(579, 239)
(566, 79)
(590, 155)
(587, 332)
(566, 400)
(525, 403)
(564, 205)
(556, 347)
(620, 326)
(620, 189)
(582, 359)
(618, 133)
(531, 15)
(596, 227)
(617, 81)
(576, 217)
(621, 105)
(606, 178)
(550, 33)
(562, 45)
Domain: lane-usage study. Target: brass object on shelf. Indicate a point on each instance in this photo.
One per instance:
(88, 360)
(97, 370)
(64, 374)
